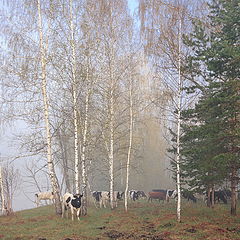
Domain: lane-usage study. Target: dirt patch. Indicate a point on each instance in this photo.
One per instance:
(191, 230)
(113, 234)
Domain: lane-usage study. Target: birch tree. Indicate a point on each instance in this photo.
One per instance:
(179, 109)
(2, 191)
(130, 142)
(75, 117)
(51, 168)
(162, 26)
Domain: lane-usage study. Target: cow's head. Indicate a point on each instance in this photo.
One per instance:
(120, 195)
(76, 200)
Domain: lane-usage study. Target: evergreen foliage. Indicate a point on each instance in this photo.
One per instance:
(210, 145)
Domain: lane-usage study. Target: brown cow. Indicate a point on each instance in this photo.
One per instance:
(157, 195)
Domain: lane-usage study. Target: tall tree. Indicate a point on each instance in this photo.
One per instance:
(51, 167)
(162, 26)
(215, 59)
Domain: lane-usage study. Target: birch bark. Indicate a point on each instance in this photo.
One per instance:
(83, 152)
(51, 168)
(73, 67)
(2, 192)
(179, 106)
(130, 144)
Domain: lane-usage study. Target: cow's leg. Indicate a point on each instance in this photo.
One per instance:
(72, 212)
(78, 214)
(63, 210)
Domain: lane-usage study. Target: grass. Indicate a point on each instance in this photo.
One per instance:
(143, 221)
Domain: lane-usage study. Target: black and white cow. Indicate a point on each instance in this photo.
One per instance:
(72, 202)
(133, 195)
(117, 195)
(136, 194)
(141, 194)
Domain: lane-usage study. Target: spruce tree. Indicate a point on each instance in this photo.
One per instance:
(211, 143)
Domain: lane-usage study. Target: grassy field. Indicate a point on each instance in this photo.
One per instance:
(156, 221)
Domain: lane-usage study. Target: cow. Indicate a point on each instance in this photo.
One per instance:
(133, 194)
(97, 197)
(171, 194)
(104, 199)
(116, 197)
(141, 194)
(188, 195)
(44, 196)
(168, 193)
(157, 195)
(72, 202)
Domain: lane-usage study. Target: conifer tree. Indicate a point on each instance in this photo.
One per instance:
(212, 134)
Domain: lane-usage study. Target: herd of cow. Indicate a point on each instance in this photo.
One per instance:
(101, 199)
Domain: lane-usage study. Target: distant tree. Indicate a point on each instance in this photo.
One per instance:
(11, 181)
(162, 27)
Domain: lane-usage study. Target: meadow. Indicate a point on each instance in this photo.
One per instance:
(156, 221)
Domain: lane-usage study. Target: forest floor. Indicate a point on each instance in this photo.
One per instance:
(150, 221)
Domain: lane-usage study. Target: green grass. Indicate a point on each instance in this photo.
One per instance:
(143, 221)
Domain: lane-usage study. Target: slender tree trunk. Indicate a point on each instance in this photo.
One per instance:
(213, 197)
(111, 151)
(179, 123)
(209, 197)
(83, 152)
(2, 192)
(233, 192)
(130, 144)
(65, 162)
(51, 169)
(73, 64)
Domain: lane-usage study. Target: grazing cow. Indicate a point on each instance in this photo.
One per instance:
(141, 194)
(171, 194)
(188, 195)
(72, 202)
(133, 194)
(168, 193)
(156, 195)
(44, 196)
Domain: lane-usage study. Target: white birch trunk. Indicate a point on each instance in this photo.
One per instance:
(73, 66)
(130, 145)
(83, 152)
(51, 169)
(179, 124)
(2, 192)
(111, 148)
